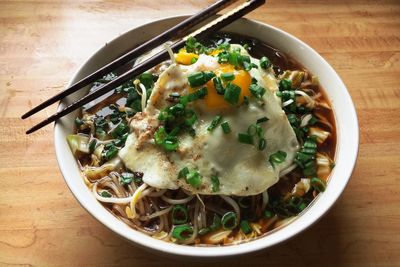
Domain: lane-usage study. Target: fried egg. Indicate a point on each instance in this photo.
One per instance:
(242, 169)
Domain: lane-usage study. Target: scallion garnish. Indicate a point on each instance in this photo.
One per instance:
(109, 151)
(177, 109)
(92, 145)
(245, 226)
(179, 214)
(265, 63)
(214, 123)
(183, 172)
(214, 183)
(190, 117)
(194, 178)
(119, 130)
(318, 184)
(229, 221)
(182, 232)
(218, 85)
(285, 85)
(257, 90)
(126, 178)
(105, 193)
(277, 158)
(245, 138)
(228, 76)
(225, 127)
(193, 60)
(160, 135)
(268, 214)
(232, 93)
(200, 78)
(171, 143)
(262, 144)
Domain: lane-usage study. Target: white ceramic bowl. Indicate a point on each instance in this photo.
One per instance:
(347, 143)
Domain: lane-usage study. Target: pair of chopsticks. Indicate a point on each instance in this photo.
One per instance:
(178, 31)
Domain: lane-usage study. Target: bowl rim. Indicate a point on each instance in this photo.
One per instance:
(282, 235)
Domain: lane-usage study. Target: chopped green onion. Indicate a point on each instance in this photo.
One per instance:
(179, 214)
(268, 214)
(245, 226)
(214, 123)
(232, 93)
(233, 58)
(199, 94)
(171, 143)
(100, 133)
(285, 85)
(92, 145)
(194, 178)
(119, 130)
(225, 127)
(261, 120)
(245, 138)
(182, 232)
(293, 120)
(265, 63)
(229, 220)
(159, 135)
(312, 121)
(229, 76)
(218, 86)
(215, 183)
(147, 79)
(177, 109)
(302, 206)
(262, 144)
(183, 172)
(318, 184)
(193, 60)
(200, 78)
(277, 158)
(105, 193)
(164, 115)
(126, 178)
(191, 117)
(110, 152)
(257, 90)
(216, 223)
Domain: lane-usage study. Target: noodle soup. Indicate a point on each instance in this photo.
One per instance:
(225, 142)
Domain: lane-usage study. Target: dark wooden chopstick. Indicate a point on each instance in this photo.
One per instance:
(177, 31)
(208, 29)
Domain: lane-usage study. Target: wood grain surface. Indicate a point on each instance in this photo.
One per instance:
(42, 43)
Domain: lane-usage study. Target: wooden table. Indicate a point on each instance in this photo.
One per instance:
(42, 43)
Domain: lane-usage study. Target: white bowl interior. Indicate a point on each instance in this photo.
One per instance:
(346, 122)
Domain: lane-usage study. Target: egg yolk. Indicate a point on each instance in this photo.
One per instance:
(242, 79)
(184, 57)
